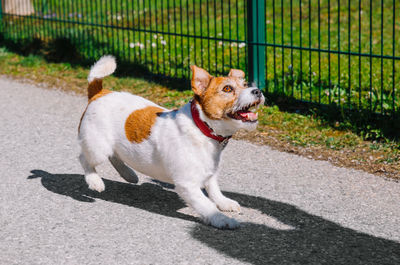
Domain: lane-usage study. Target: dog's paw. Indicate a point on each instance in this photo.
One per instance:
(97, 187)
(228, 205)
(221, 221)
(95, 182)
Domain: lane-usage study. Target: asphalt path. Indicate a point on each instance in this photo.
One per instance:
(294, 210)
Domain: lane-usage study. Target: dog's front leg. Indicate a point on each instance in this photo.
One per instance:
(222, 202)
(195, 198)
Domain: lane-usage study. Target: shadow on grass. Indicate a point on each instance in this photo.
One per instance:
(370, 125)
(64, 50)
(313, 239)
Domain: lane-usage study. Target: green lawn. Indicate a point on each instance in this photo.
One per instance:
(307, 75)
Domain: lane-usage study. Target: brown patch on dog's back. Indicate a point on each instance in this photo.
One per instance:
(139, 123)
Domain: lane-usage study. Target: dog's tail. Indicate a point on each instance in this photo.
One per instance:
(102, 68)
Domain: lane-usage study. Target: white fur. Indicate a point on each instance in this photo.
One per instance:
(176, 151)
(244, 98)
(102, 68)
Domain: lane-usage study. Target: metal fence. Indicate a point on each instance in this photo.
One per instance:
(338, 52)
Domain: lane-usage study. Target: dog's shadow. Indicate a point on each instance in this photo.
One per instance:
(312, 239)
(151, 197)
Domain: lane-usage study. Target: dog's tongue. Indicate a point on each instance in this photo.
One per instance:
(248, 115)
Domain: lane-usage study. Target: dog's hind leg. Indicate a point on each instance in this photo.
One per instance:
(124, 171)
(91, 177)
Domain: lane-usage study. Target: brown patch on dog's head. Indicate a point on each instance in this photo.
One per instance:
(217, 95)
(236, 73)
(139, 123)
(200, 80)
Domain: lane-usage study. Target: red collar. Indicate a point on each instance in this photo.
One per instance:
(204, 128)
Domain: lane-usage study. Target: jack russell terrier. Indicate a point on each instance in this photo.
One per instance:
(182, 147)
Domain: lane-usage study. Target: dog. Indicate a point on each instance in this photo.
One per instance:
(182, 147)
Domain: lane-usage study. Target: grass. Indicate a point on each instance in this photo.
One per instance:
(304, 134)
(367, 27)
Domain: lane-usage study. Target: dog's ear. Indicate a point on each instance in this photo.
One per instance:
(200, 79)
(236, 73)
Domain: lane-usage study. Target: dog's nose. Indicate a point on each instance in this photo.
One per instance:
(256, 92)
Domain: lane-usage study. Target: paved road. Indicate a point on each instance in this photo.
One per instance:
(296, 210)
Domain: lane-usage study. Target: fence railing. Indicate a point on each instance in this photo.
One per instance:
(338, 52)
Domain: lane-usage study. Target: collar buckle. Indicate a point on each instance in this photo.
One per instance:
(225, 142)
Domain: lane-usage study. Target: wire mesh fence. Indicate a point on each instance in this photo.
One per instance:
(342, 52)
(333, 52)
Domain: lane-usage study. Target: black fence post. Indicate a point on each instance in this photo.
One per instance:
(255, 36)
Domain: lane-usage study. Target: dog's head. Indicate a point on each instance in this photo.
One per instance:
(228, 103)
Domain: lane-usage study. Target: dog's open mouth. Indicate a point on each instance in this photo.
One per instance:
(246, 114)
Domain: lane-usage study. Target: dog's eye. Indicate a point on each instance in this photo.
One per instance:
(227, 89)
